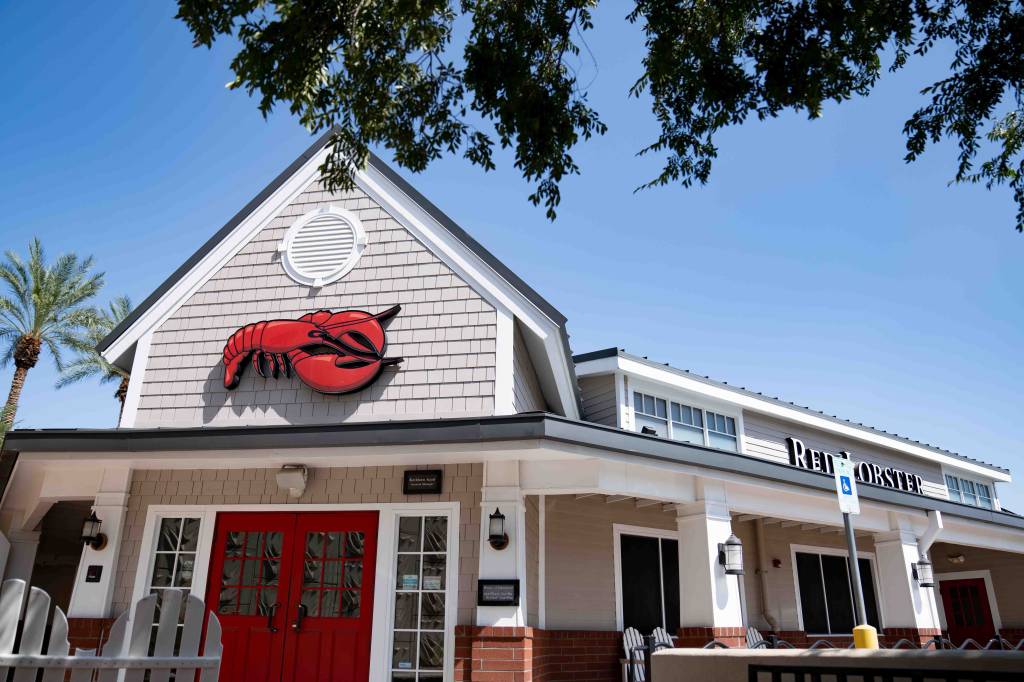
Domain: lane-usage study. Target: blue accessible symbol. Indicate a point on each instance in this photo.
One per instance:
(845, 480)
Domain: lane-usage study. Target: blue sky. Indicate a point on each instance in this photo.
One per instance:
(815, 266)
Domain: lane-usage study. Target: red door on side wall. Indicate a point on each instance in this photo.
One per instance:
(967, 611)
(294, 594)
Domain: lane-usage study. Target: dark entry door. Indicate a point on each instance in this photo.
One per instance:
(967, 611)
(294, 594)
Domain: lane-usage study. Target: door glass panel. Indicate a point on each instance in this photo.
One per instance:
(435, 536)
(407, 606)
(409, 539)
(403, 656)
(325, 570)
(408, 575)
(433, 611)
(252, 566)
(433, 571)
(431, 650)
(169, 530)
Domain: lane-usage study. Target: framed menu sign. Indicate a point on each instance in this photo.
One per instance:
(422, 481)
(497, 592)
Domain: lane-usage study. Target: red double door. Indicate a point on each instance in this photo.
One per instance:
(294, 595)
(968, 615)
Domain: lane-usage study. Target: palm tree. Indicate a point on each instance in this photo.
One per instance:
(46, 306)
(88, 363)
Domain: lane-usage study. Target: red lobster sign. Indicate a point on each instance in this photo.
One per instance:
(330, 352)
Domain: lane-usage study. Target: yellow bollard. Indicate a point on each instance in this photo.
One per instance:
(865, 637)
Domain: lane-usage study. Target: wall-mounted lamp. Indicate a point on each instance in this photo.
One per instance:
(730, 555)
(91, 534)
(496, 535)
(922, 572)
(292, 477)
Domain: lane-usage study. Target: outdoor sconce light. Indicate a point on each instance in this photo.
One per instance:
(956, 558)
(730, 555)
(496, 535)
(292, 477)
(922, 572)
(91, 534)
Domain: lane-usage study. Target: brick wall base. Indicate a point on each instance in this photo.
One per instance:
(887, 636)
(516, 654)
(88, 633)
(694, 638)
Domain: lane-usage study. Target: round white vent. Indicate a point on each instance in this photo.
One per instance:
(322, 246)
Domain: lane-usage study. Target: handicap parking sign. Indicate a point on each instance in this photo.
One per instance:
(846, 486)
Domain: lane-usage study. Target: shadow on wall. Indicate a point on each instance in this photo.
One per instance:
(284, 400)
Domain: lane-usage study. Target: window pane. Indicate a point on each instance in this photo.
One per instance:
(169, 530)
(687, 434)
(721, 441)
(676, 413)
(662, 412)
(648, 404)
(967, 488)
(638, 401)
(953, 486)
(698, 418)
(409, 534)
(660, 426)
(641, 596)
(435, 536)
(868, 584)
(812, 597)
(838, 597)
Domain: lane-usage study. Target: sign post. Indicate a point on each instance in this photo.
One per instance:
(864, 636)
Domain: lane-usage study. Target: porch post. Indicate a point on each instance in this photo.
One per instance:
(92, 599)
(908, 610)
(501, 491)
(709, 601)
(22, 554)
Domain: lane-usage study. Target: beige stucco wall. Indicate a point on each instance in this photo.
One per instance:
(383, 484)
(446, 333)
(579, 558)
(1005, 569)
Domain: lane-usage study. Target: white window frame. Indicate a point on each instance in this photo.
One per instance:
(384, 580)
(690, 400)
(960, 478)
(832, 551)
(990, 592)
(620, 529)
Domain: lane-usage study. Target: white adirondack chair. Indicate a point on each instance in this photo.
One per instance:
(123, 651)
(631, 639)
(661, 637)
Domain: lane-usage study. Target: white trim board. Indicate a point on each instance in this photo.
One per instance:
(384, 580)
(986, 575)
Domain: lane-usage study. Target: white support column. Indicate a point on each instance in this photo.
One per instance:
(22, 556)
(501, 491)
(904, 603)
(92, 599)
(708, 597)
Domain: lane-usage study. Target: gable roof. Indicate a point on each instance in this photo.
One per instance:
(488, 259)
(500, 268)
(621, 353)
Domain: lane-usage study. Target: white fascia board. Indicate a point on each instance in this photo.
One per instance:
(456, 255)
(674, 380)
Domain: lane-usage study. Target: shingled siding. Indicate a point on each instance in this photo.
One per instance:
(526, 393)
(445, 333)
(352, 485)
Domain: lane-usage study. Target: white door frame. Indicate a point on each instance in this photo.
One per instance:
(384, 580)
(985, 575)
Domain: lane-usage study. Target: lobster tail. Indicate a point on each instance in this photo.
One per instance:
(238, 349)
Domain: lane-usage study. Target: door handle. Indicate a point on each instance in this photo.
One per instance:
(297, 625)
(270, 618)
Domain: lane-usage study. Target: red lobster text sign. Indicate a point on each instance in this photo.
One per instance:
(330, 352)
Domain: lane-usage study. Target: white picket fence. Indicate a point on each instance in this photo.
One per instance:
(123, 651)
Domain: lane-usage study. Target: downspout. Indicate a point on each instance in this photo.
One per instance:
(762, 561)
(926, 540)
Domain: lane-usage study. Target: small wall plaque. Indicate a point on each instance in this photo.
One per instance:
(422, 482)
(93, 573)
(497, 592)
